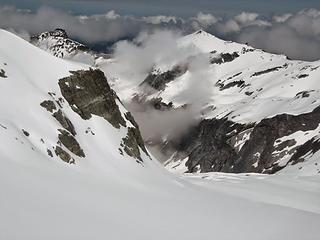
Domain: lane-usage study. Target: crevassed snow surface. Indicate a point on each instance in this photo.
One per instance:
(109, 196)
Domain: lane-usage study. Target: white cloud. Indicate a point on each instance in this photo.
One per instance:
(281, 18)
(205, 20)
(160, 19)
(300, 28)
(246, 17)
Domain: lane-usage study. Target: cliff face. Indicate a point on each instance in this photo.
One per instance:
(266, 147)
(88, 93)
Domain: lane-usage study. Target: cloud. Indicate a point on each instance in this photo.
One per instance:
(301, 30)
(134, 60)
(281, 18)
(160, 19)
(204, 20)
(297, 36)
(95, 28)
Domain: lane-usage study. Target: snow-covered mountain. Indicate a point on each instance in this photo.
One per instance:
(55, 110)
(253, 111)
(73, 166)
(247, 110)
(58, 43)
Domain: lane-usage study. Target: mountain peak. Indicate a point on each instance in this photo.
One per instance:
(59, 32)
(207, 42)
(58, 43)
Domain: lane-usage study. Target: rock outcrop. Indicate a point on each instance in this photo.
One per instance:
(158, 81)
(265, 147)
(88, 92)
(58, 43)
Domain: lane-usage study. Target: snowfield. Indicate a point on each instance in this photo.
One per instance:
(107, 195)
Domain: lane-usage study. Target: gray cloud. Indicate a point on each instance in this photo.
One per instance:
(294, 34)
(297, 36)
(95, 28)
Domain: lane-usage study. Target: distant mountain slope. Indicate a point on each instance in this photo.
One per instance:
(256, 111)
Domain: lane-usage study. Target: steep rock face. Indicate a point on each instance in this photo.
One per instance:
(266, 151)
(2, 73)
(158, 81)
(265, 147)
(70, 143)
(88, 92)
(224, 58)
(64, 121)
(207, 145)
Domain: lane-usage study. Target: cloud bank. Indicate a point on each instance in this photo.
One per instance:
(295, 34)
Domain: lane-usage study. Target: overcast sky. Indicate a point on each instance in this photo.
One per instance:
(172, 7)
(290, 27)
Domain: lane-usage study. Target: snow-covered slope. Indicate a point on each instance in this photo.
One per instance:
(42, 116)
(113, 189)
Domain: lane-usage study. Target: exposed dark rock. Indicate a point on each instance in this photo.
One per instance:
(235, 75)
(213, 145)
(224, 57)
(58, 32)
(49, 105)
(25, 133)
(49, 153)
(239, 83)
(3, 73)
(132, 142)
(312, 146)
(159, 105)
(247, 50)
(207, 145)
(63, 155)
(70, 143)
(130, 118)
(65, 122)
(269, 70)
(62, 42)
(88, 130)
(159, 81)
(302, 76)
(88, 92)
(303, 94)
(144, 103)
